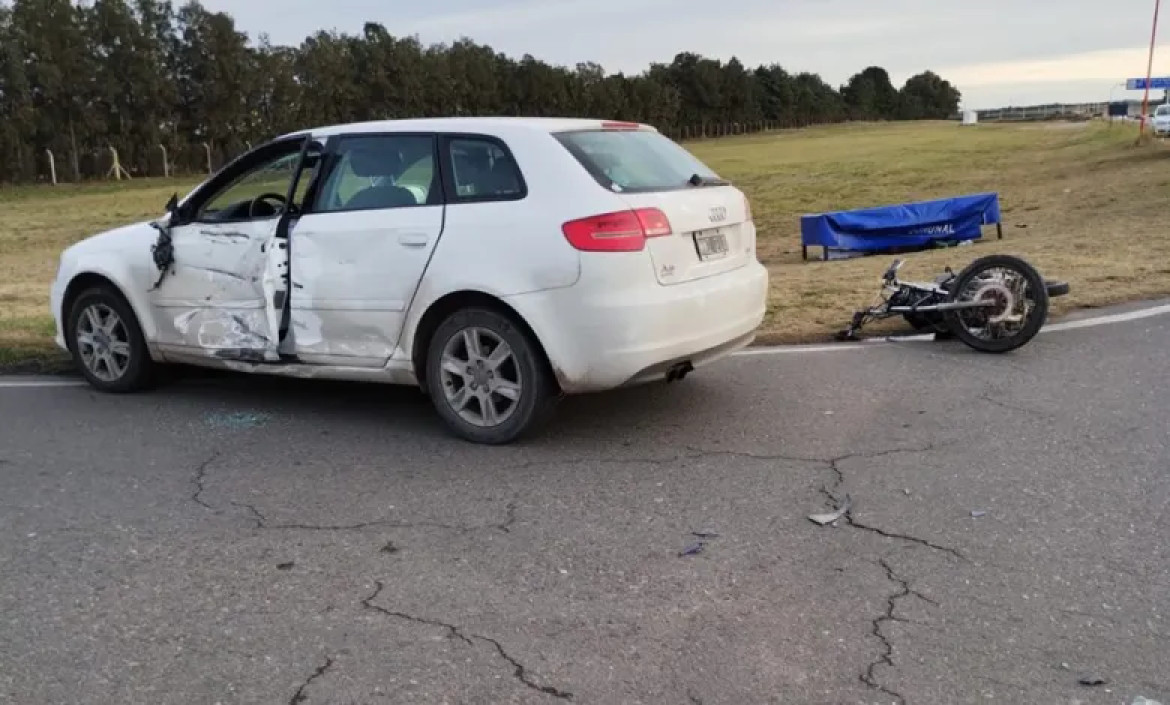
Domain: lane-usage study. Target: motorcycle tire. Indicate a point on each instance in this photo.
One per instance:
(1037, 293)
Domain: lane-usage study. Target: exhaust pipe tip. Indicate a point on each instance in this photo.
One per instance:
(678, 372)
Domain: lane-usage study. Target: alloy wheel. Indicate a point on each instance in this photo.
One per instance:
(103, 342)
(481, 378)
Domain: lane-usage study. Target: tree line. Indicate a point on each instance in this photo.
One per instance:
(144, 76)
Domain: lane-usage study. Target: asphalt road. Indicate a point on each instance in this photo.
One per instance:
(248, 540)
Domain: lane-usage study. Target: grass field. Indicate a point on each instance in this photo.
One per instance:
(1081, 201)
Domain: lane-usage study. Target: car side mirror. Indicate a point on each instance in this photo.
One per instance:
(175, 211)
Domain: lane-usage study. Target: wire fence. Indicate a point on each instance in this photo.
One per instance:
(182, 159)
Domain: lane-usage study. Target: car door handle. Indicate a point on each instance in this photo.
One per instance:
(413, 239)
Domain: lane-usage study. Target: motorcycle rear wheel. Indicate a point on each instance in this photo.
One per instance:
(1022, 298)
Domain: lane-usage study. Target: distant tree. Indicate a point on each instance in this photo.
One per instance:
(59, 76)
(17, 112)
(741, 102)
(815, 101)
(928, 97)
(870, 95)
(776, 94)
(699, 82)
(216, 73)
(79, 77)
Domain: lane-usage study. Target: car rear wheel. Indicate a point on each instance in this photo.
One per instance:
(487, 378)
(107, 343)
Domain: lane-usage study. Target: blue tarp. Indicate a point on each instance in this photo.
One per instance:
(910, 225)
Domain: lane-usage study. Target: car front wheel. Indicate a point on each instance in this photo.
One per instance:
(107, 343)
(487, 378)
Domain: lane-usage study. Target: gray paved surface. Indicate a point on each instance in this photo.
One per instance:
(261, 541)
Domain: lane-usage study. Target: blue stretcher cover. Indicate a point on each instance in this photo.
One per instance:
(903, 226)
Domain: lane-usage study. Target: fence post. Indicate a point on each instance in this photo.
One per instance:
(207, 149)
(166, 164)
(52, 166)
(116, 168)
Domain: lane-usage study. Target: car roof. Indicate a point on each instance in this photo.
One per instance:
(461, 124)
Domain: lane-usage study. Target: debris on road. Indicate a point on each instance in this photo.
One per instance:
(237, 420)
(389, 548)
(1139, 700)
(706, 534)
(832, 517)
(693, 549)
(978, 513)
(285, 566)
(1092, 680)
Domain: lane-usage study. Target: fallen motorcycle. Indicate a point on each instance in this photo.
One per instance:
(995, 304)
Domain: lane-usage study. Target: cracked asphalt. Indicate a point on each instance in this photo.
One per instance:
(249, 540)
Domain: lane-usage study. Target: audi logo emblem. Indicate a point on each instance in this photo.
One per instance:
(718, 213)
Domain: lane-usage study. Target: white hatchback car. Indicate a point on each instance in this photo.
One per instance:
(497, 263)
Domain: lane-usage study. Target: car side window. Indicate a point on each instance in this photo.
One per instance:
(271, 178)
(380, 171)
(482, 170)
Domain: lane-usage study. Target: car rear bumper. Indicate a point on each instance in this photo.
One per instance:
(598, 338)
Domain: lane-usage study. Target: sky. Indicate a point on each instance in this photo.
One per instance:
(997, 52)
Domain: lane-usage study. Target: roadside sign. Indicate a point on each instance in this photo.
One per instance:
(1139, 84)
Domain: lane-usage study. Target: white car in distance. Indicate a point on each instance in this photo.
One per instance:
(1161, 120)
(497, 263)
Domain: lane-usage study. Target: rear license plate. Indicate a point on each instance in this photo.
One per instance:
(711, 244)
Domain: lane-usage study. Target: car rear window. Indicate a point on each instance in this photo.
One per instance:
(636, 161)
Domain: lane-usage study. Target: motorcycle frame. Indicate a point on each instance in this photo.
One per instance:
(925, 291)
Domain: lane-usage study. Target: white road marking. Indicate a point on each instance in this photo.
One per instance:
(34, 383)
(871, 342)
(1111, 318)
(837, 347)
(771, 350)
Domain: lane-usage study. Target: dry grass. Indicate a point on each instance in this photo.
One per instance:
(1082, 202)
(36, 223)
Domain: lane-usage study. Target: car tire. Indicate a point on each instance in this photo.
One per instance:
(106, 342)
(489, 395)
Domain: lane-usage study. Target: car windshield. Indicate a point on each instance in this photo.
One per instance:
(634, 160)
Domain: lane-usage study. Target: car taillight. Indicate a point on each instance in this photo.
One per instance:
(617, 125)
(621, 231)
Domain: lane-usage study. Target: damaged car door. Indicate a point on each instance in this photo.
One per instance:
(223, 294)
(362, 246)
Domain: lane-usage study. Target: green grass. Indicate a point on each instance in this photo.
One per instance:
(1081, 201)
